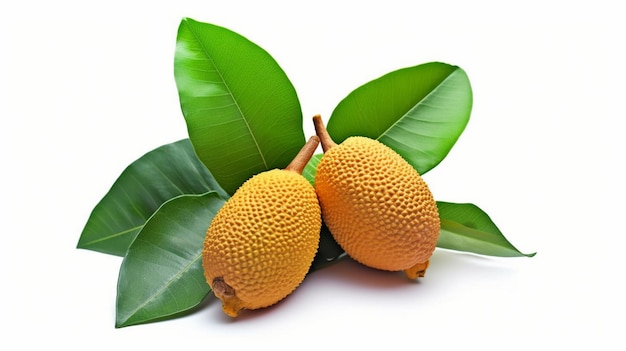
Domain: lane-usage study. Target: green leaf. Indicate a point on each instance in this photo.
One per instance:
(159, 175)
(242, 112)
(162, 274)
(465, 227)
(311, 168)
(419, 111)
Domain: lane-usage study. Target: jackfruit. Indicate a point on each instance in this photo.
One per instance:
(375, 204)
(261, 243)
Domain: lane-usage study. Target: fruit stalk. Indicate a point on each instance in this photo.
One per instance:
(304, 155)
(322, 133)
(231, 304)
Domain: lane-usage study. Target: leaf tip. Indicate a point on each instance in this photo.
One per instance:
(120, 323)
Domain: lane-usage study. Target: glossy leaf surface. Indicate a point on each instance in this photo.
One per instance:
(311, 168)
(419, 111)
(242, 112)
(162, 273)
(156, 177)
(465, 227)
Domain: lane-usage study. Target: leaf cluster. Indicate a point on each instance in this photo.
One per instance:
(243, 117)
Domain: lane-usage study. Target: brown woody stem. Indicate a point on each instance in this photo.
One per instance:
(322, 133)
(304, 155)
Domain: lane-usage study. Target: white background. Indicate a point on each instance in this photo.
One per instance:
(88, 87)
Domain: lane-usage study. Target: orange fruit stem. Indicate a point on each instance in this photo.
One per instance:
(304, 155)
(417, 271)
(231, 305)
(322, 133)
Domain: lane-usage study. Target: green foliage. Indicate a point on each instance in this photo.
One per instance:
(419, 112)
(243, 117)
(162, 273)
(465, 227)
(156, 177)
(311, 167)
(242, 112)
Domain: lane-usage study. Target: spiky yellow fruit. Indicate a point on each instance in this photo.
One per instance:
(376, 205)
(260, 245)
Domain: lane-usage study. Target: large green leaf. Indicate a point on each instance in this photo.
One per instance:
(162, 274)
(465, 227)
(242, 112)
(159, 175)
(419, 111)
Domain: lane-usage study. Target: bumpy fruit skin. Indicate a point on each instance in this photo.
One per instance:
(261, 243)
(377, 206)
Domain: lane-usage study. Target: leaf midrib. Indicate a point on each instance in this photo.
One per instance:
(417, 104)
(204, 49)
(164, 287)
(502, 242)
(114, 235)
